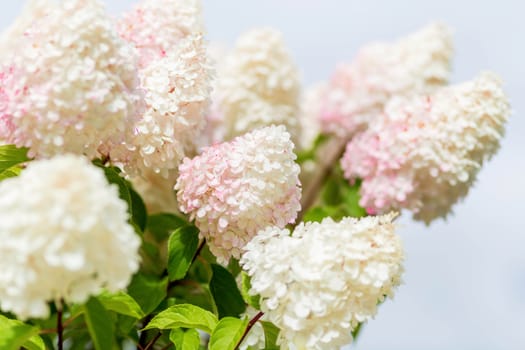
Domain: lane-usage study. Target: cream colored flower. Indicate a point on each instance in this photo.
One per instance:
(259, 84)
(317, 284)
(64, 234)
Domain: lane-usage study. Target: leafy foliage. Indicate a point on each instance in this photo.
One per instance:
(11, 159)
(227, 334)
(182, 247)
(225, 292)
(14, 334)
(99, 324)
(186, 316)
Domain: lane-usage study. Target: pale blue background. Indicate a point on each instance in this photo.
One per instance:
(465, 279)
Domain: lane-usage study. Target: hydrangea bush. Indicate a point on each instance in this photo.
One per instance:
(154, 197)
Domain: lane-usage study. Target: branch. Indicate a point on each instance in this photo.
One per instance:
(328, 156)
(252, 322)
(60, 326)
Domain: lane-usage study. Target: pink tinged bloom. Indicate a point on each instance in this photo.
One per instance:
(72, 84)
(358, 91)
(177, 95)
(423, 153)
(236, 188)
(155, 27)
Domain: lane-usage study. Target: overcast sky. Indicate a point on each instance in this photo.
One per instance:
(465, 279)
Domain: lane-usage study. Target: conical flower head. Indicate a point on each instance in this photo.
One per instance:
(358, 91)
(72, 81)
(234, 189)
(424, 152)
(317, 284)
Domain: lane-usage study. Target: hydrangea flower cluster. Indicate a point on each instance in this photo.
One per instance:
(319, 282)
(236, 188)
(64, 234)
(72, 80)
(259, 84)
(424, 152)
(358, 91)
(156, 26)
(177, 95)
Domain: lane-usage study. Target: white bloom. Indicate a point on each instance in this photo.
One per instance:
(73, 80)
(311, 105)
(318, 283)
(236, 188)
(64, 234)
(259, 84)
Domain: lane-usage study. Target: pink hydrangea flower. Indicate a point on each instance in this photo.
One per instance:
(234, 189)
(156, 26)
(71, 82)
(358, 91)
(424, 152)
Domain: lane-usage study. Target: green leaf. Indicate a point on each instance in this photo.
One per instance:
(148, 291)
(182, 246)
(10, 155)
(113, 176)
(357, 330)
(252, 300)
(10, 172)
(225, 292)
(138, 209)
(227, 334)
(316, 214)
(351, 199)
(162, 225)
(121, 303)
(234, 267)
(271, 333)
(14, 333)
(184, 315)
(185, 339)
(35, 343)
(99, 324)
(331, 192)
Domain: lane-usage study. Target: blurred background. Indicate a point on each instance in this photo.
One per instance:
(465, 278)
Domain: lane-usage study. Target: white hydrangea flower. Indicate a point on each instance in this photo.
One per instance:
(156, 26)
(317, 284)
(358, 91)
(64, 234)
(31, 13)
(423, 154)
(73, 80)
(234, 189)
(311, 105)
(177, 95)
(259, 84)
